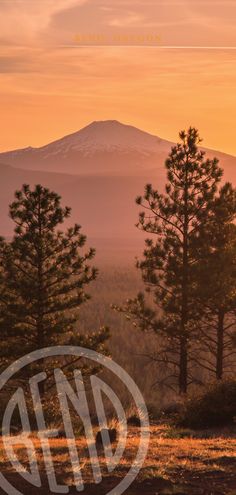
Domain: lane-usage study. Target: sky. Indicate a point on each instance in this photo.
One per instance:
(158, 65)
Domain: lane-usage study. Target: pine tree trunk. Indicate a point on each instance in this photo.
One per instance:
(40, 329)
(220, 346)
(183, 366)
(183, 361)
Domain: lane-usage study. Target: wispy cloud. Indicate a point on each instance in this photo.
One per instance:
(28, 22)
(22, 21)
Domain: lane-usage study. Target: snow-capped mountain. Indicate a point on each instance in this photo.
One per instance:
(100, 147)
(109, 163)
(103, 148)
(109, 135)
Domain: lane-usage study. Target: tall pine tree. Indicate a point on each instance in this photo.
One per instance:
(216, 285)
(45, 273)
(173, 219)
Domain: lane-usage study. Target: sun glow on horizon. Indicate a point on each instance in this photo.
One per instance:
(48, 91)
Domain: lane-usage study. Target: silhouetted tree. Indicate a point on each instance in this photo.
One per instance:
(46, 272)
(174, 218)
(216, 285)
(4, 300)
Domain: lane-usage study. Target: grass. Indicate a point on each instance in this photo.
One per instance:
(179, 461)
(174, 465)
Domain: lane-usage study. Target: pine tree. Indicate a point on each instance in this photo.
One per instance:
(216, 284)
(46, 272)
(173, 219)
(4, 351)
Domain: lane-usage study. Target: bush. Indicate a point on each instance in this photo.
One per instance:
(215, 406)
(172, 409)
(177, 433)
(134, 421)
(154, 411)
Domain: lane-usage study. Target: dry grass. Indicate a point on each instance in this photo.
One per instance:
(184, 465)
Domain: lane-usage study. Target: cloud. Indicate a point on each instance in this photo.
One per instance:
(177, 22)
(33, 31)
(16, 65)
(42, 23)
(22, 21)
(131, 19)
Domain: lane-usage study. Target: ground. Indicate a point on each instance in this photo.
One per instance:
(176, 464)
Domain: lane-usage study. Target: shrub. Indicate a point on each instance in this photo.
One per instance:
(134, 421)
(178, 433)
(154, 411)
(111, 434)
(215, 406)
(172, 409)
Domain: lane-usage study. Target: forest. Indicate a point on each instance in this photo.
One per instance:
(169, 321)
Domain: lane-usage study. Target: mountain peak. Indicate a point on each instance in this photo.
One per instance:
(104, 136)
(103, 126)
(104, 123)
(101, 145)
(115, 125)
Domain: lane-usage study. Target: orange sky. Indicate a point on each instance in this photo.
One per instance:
(50, 86)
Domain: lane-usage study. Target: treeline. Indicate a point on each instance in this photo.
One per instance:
(189, 269)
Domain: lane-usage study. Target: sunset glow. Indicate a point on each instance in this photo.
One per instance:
(51, 85)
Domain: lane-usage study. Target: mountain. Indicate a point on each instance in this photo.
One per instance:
(98, 171)
(101, 148)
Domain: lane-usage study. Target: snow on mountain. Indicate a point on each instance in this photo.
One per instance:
(104, 148)
(97, 148)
